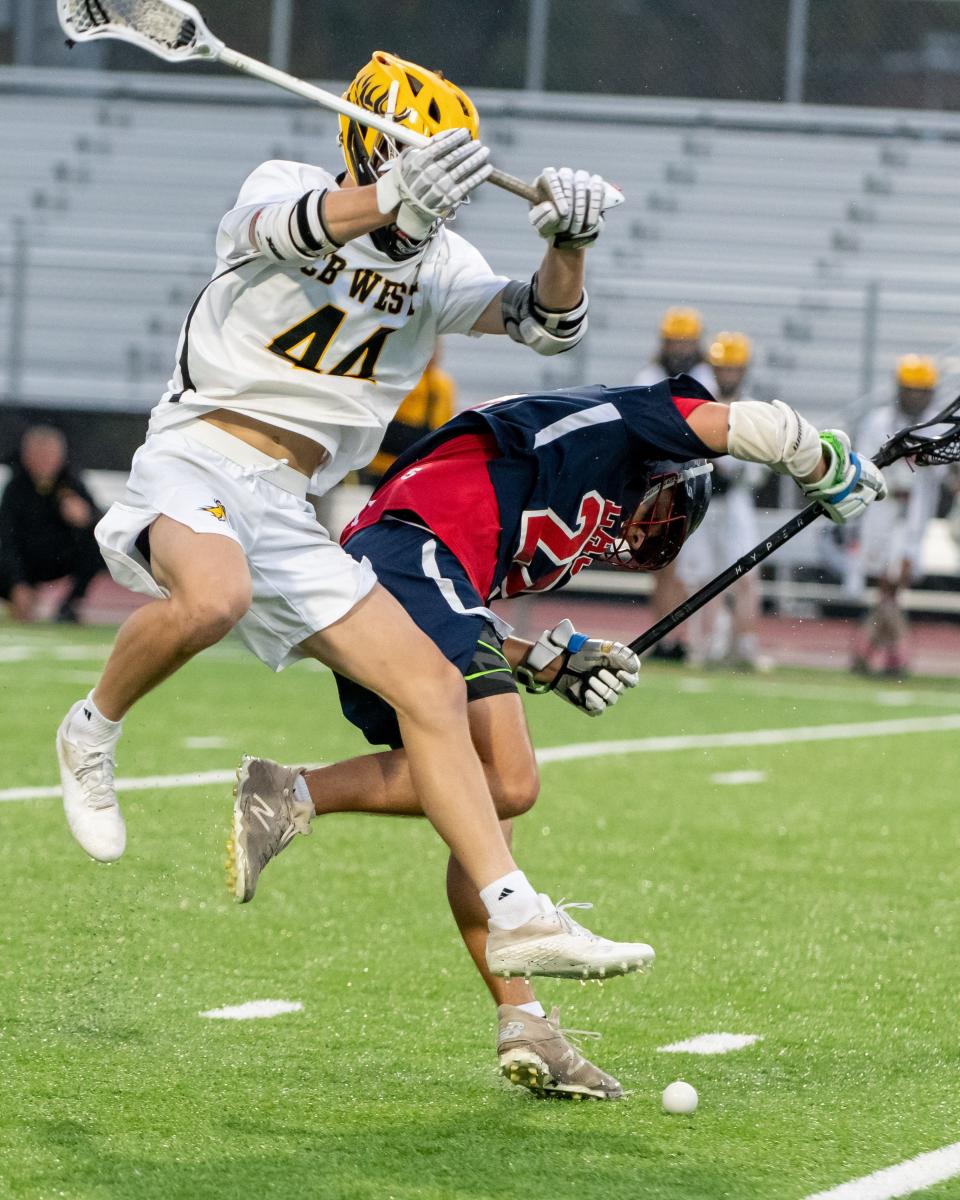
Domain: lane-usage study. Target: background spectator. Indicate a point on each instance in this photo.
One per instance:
(46, 526)
(891, 541)
(726, 630)
(680, 352)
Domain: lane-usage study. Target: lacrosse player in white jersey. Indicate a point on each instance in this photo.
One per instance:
(324, 309)
(890, 549)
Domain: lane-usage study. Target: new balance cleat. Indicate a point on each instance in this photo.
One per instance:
(535, 1053)
(266, 815)
(89, 795)
(553, 944)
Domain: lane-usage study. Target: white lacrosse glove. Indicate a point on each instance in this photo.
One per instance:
(572, 216)
(592, 675)
(850, 482)
(428, 182)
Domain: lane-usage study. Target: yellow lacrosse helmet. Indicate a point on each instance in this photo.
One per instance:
(681, 323)
(917, 372)
(729, 350)
(392, 87)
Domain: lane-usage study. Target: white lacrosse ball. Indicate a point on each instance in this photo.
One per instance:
(680, 1098)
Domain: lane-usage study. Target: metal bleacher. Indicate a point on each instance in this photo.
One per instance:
(830, 237)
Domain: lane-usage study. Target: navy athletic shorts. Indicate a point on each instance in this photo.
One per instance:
(418, 569)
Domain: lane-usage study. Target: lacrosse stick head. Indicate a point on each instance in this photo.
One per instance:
(932, 443)
(660, 514)
(171, 29)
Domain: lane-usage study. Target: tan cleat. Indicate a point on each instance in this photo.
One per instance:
(266, 815)
(534, 1053)
(553, 944)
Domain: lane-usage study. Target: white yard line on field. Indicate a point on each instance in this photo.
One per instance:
(796, 690)
(711, 1043)
(905, 1179)
(144, 783)
(752, 737)
(551, 754)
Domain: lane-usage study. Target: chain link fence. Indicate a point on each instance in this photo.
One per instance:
(890, 53)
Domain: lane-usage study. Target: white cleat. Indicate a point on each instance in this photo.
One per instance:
(553, 944)
(89, 795)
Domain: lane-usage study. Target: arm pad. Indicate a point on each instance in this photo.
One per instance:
(775, 435)
(293, 230)
(543, 330)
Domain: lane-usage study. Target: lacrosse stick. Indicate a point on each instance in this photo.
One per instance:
(925, 449)
(176, 32)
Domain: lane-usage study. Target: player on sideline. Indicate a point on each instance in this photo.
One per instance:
(725, 631)
(516, 497)
(891, 539)
(325, 307)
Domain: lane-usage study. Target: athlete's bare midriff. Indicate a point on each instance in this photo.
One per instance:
(301, 453)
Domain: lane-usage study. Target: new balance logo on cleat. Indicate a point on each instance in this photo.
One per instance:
(261, 810)
(513, 1029)
(505, 893)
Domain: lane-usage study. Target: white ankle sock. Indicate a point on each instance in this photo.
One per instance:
(302, 793)
(510, 901)
(91, 727)
(534, 1008)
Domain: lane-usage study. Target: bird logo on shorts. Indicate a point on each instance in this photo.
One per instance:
(215, 509)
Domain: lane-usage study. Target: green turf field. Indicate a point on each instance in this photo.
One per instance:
(817, 909)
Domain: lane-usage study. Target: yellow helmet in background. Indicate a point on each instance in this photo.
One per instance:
(681, 323)
(729, 350)
(918, 372)
(391, 87)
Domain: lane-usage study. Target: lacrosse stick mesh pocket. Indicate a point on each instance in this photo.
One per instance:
(155, 21)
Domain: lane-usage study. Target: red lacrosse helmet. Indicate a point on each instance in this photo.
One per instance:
(660, 514)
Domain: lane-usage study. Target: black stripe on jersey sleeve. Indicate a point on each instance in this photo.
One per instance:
(300, 249)
(303, 221)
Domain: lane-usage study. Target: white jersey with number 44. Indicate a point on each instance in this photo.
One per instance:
(327, 349)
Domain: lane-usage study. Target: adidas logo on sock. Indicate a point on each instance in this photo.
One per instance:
(505, 893)
(87, 713)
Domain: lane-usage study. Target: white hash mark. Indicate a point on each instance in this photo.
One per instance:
(253, 1010)
(735, 777)
(904, 1179)
(712, 1043)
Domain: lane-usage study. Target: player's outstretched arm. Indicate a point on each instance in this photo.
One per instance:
(549, 314)
(279, 220)
(824, 465)
(588, 673)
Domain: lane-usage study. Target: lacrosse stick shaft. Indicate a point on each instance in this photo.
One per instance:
(408, 137)
(888, 453)
(720, 584)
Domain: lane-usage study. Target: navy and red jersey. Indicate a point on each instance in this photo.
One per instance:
(525, 491)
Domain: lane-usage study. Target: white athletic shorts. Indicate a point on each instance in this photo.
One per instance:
(887, 539)
(214, 483)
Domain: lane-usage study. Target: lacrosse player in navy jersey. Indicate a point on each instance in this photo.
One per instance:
(327, 300)
(517, 497)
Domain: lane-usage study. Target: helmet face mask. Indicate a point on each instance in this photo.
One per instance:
(660, 515)
(679, 355)
(917, 378)
(421, 100)
(729, 354)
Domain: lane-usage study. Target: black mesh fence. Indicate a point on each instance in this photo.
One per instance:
(896, 53)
